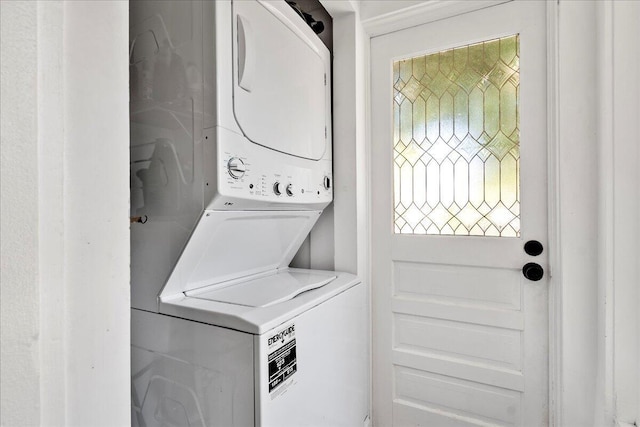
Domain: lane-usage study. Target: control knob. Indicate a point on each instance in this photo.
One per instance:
(277, 188)
(236, 167)
(326, 182)
(290, 190)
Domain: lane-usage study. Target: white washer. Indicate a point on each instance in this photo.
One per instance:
(241, 341)
(296, 363)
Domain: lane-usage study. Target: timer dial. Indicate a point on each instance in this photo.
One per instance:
(236, 167)
(277, 188)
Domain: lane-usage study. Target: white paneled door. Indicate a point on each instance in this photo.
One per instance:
(460, 326)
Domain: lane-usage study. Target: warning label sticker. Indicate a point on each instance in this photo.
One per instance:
(282, 359)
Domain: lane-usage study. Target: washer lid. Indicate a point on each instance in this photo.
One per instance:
(257, 320)
(266, 291)
(229, 245)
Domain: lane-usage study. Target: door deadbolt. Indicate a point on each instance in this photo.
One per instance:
(533, 248)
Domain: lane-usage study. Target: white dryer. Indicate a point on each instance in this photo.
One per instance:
(230, 170)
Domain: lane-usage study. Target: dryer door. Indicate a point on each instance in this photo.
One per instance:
(281, 89)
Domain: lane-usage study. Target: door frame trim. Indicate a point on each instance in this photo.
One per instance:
(422, 13)
(553, 203)
(435, 10)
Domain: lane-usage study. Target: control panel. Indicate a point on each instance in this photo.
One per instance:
(272, 182)
(248, 172)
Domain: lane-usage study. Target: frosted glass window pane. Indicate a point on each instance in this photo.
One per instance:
(457, 141)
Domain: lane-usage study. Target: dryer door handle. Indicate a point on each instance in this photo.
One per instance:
(246, 54)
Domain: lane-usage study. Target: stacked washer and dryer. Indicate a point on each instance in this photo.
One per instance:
(230, 169)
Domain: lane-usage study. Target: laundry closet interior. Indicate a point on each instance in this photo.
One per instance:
(231, 168)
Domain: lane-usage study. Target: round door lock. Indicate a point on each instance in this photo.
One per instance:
(533, 271)
(236, 167)
(533, 248)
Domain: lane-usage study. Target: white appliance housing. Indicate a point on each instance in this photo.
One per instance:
(230, 170)
(296, 363)
(230, 111)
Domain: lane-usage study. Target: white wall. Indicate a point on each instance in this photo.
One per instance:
(621, 35)
(339, 239)
(19, 292)
(599, 201)
(576, 269)
(96, 223)
(51, 240)
(350, 158)
(64, 224)
(350, 166)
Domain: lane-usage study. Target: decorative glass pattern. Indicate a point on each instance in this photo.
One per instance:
(457, 141)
